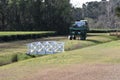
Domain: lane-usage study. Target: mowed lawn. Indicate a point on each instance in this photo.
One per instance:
(9, 33)
(106, 53)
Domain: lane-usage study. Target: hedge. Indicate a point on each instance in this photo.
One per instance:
(102, 31)
(6, 38)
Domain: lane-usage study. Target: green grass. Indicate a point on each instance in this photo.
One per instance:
(104, 29)
(9, 33)
(103, 53)
(107, 53)
(9, 50)
(17, 47)
(92, 39)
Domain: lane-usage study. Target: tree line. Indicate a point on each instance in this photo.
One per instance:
(56, 15)
(32, 15)
(100, 15)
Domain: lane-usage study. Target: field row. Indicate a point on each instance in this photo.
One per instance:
(12, 36)
(10, 33)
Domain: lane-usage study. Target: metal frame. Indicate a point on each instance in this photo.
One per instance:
(45, 47)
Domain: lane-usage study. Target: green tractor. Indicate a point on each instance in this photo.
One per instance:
(80, 29)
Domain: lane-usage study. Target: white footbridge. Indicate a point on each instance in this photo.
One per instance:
(45, 47)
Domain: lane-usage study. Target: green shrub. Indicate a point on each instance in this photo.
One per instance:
(6, 38)
(11, 58)
(7, 59)
(22, 56)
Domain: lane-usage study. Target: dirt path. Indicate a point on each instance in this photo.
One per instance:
(79, 72)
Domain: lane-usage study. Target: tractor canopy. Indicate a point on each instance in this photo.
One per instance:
(80, 23)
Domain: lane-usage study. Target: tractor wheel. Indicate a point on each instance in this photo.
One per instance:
(70, 37)
(83, 38)
(74, 37)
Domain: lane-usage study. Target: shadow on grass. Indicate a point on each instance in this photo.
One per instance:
(90, 35)
(94, 41)
(8, 59)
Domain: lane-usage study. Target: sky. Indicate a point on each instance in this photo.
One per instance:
(78, 3)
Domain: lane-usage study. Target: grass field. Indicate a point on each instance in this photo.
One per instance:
(15, 51)
(20, 46)
(106, 53)
(104, 29)
(9, 33)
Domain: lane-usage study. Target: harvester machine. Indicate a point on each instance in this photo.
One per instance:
(78, 29)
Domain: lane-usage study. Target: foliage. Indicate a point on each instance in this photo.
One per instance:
(95, 12)
(77, 14)
(117, 11)
(12, 36)
(32, 15)
(100, 15)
